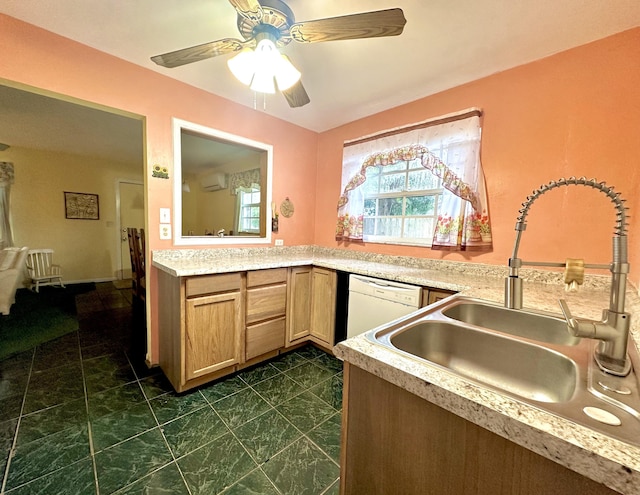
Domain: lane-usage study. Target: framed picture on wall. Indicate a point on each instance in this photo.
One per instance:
(81, 206)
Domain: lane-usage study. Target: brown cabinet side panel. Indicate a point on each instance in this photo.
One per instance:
(170, 327)
(397, 443)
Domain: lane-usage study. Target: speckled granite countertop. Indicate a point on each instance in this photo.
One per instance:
(588, 452)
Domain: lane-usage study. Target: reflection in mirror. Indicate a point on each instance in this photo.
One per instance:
(222, 186)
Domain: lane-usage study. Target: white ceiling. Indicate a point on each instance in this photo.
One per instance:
(33, 121)
(445, 43)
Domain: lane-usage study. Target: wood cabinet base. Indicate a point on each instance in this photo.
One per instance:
(397, 443)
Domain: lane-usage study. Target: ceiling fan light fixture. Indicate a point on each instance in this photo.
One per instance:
(263, 68)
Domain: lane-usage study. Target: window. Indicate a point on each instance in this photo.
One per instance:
(401, 203)
(249, 210)
(420, 184)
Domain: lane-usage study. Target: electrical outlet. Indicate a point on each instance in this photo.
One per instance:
(279, 242)
(165, 231)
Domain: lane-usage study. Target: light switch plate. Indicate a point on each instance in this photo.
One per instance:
(165, 215)
(165, 231)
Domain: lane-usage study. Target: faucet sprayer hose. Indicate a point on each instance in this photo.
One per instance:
(621, 215)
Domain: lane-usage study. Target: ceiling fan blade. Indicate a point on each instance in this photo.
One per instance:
(249, 9)
(296, 95)
(374, 24)
(199, 52)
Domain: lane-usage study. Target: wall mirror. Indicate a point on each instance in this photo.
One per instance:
(222, 187)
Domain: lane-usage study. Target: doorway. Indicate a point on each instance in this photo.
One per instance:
(130, 212)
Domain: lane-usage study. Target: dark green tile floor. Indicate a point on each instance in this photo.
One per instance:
(83, 415)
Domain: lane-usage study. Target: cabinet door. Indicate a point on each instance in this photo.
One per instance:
(299, 304)
(323, 306)
(213, 333)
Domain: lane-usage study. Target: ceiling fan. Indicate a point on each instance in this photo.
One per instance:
(267, 25)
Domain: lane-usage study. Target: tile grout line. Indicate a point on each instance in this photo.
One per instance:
(271, 408)
(92, 451)
(155, 417)
(12, 451)
(303, 434)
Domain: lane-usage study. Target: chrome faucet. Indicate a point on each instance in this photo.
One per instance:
(613, 329)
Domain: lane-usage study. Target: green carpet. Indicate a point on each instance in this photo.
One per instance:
(37, 318)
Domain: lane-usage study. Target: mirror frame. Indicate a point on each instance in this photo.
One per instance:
(179, 240)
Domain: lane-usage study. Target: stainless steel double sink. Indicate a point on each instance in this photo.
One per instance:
(529, 356)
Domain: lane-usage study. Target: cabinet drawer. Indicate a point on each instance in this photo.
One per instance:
(210, 284)
(266, 302)
(265, 337)
(266, 277)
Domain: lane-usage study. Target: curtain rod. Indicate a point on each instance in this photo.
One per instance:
(413, 127)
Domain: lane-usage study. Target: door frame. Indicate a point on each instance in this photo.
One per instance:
(118, 218)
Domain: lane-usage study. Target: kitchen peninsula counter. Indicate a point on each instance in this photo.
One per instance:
(592, 454)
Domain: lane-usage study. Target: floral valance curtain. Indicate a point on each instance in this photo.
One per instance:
(245, 180)
(6, 179)
(449, 147)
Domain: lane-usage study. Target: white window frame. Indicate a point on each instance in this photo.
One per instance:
(240, 207)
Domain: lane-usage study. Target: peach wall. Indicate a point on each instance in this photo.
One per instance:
(574, 113)
(40, 59)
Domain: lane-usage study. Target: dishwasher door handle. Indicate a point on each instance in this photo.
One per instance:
(390, 287)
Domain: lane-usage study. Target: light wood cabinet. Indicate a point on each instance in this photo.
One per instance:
(323, 305)
(429, 295)
(266, 306)
(213, 336)
(213, 325)
(299, 303)
(312, 305)
(201, 327)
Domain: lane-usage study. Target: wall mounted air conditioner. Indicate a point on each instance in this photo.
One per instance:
(214, 181)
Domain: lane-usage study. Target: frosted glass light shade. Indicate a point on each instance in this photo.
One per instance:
(286, 74)
(242, 66)
(263, 82)
(259, 68)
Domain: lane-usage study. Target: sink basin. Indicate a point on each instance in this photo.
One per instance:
(526, 355)
(518, 367)
(525, 324)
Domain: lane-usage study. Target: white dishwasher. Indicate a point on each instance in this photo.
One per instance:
(374, 302)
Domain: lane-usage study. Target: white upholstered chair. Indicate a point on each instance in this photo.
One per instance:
(11, 275)
(42, 270)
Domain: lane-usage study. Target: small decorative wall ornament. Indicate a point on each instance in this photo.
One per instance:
(160, 172)
(286, 208)
(274, 218)
(81, 206)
